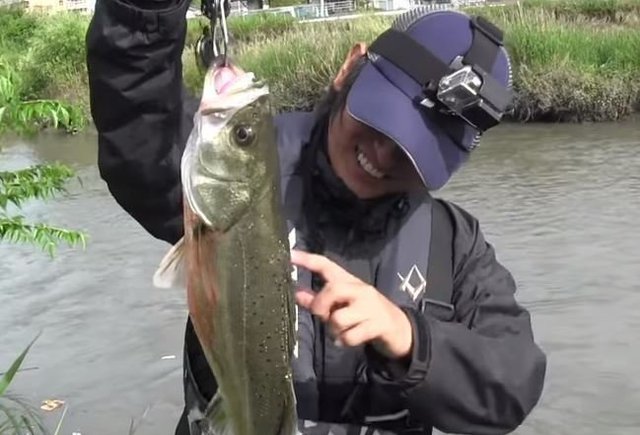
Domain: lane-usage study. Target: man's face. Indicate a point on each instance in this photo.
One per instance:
(369, 163)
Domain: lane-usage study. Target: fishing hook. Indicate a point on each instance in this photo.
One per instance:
(213, 43)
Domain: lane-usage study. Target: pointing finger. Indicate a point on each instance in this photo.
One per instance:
(329, 299)
(320, 264)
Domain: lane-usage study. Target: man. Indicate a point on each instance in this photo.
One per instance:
(379, 344)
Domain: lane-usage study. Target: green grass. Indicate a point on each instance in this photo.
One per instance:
(46, 55)
(299, 63)
(616, 11)
(16, 415)
(245, 29)
(567, 66)
(574, 60)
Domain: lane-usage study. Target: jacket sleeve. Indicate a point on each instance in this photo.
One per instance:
(481, 373)
(140, 108)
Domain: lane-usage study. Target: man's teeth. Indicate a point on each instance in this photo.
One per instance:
(368, 167)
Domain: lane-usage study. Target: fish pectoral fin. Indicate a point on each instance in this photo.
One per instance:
(171, 271)
(217, 416)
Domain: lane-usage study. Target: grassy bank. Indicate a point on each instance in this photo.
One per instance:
(574, 60)
(47, 53)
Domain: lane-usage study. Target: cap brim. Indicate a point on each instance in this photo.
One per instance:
(376, 102)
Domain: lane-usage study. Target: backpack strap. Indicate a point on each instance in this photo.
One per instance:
(440, 268)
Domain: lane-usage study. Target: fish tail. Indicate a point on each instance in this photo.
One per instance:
(171, 271)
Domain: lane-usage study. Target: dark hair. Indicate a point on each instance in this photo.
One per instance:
(333, 101)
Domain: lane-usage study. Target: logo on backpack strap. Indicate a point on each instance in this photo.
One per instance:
(413, 283)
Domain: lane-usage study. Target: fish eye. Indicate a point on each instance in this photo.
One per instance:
(244, 135)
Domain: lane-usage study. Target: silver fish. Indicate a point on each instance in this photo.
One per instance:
(234, 257)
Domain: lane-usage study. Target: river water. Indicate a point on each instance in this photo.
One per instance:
(561, 203)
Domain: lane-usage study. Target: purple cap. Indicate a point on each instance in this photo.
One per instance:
(384, 97)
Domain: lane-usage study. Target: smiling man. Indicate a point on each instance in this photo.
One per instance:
(407, 320)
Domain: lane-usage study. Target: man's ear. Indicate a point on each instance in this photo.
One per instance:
(356, 52)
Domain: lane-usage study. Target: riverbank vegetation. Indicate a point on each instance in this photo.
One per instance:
(16, 415)
(31, 98)
(574, 60)
(43, 80)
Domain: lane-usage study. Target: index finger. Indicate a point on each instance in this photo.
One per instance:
(319, 264)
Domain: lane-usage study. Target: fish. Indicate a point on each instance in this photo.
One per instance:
(234, 257)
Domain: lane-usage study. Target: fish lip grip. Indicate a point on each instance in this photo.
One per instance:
(212, 45)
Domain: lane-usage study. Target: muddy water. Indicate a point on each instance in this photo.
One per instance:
(560, 203)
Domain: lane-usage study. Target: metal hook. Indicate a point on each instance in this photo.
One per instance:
(213, 44)
(221, 34)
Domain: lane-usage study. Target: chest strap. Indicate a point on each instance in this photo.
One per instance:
(440, 266)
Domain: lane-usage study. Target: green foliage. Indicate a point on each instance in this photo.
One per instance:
(56, 61)
(29, 116)
(16, 27)
(37, 182)
(538, 36)
(42, 62)
(299, 63)
(566, 95)
(569, 65)
(47, 237)
(566, 68)
(570, 54)
(7, 378)
(283, 3)
(243, 29)
(17, 416)
(615, 11)
(40, 181)
(260, 26)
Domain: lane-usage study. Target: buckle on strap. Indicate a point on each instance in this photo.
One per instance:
(441, 310)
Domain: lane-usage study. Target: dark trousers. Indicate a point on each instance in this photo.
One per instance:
(199, 384)
(183, 424)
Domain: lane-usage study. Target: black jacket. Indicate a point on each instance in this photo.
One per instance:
(481, 374)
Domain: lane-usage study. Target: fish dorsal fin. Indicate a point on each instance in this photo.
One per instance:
(171, 271)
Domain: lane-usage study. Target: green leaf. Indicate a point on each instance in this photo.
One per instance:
(39, 181)
(8, 376)
(20, 417)
(47, 237)
(12, 422)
